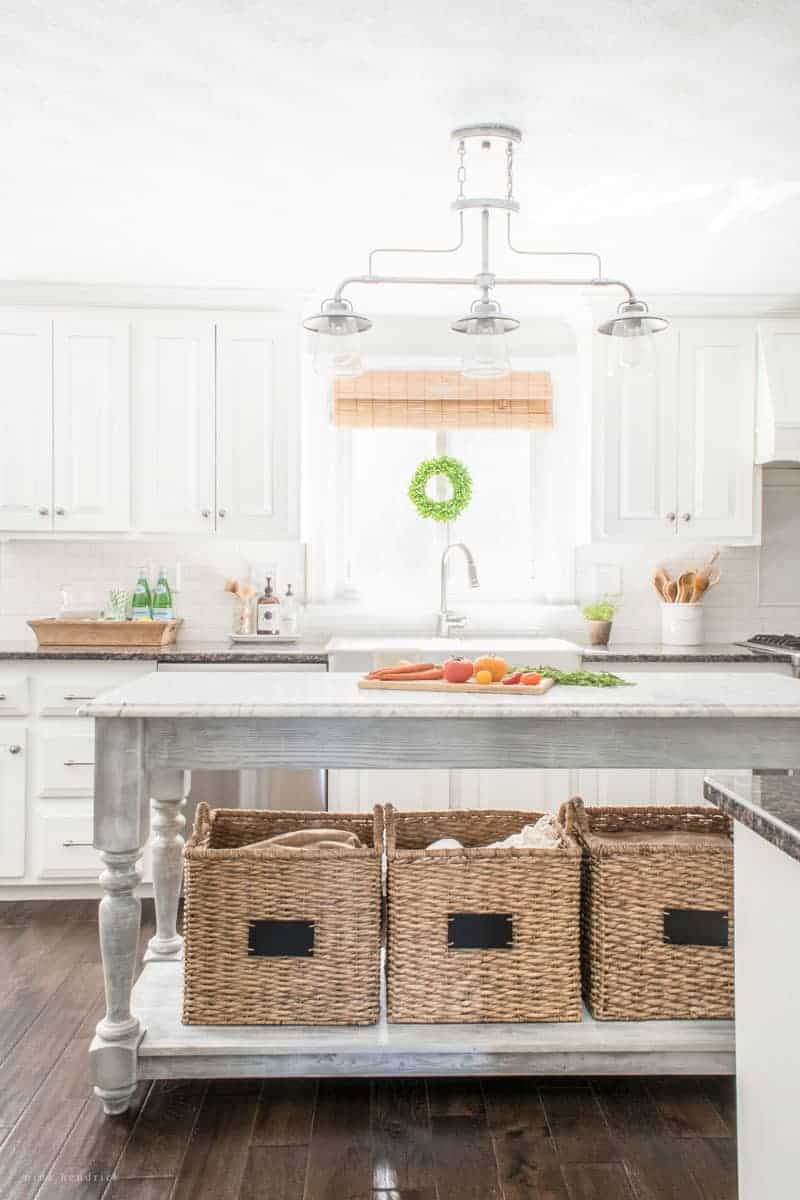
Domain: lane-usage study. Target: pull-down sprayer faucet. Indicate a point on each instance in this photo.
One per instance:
(449, 621)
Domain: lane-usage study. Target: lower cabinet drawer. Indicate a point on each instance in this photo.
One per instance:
(66, 766)
(14, 695)
(64, 844)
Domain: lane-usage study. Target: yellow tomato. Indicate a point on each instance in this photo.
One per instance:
(484, 676)
(497, 667)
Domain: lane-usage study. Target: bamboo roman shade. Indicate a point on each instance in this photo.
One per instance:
(444, 400)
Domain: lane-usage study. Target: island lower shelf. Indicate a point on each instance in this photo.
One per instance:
(170, 1050)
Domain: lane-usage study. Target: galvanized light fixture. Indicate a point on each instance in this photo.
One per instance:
(486, 355)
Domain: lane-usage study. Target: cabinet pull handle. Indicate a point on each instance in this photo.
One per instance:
(222, 512)
(74, 762)
(70, 842)
(686, 516)
(3, 696)
(205, 512)
(670, 516)
(75, 696)
(61, 512)
(15, 749)
(43, 510)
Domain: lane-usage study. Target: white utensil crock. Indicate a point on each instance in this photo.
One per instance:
(681, 624)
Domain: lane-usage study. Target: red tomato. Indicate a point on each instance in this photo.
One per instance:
(532, 678)
(457, 670)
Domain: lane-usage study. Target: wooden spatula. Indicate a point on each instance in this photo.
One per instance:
(685, 586)
(660, 579)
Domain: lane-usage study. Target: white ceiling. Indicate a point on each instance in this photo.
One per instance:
(266, 143)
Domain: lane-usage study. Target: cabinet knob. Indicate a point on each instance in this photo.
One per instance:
(15, 749)
(670, 516)
(222, 512)
(60, 512)
(43, 511)
(686, 516)
(205, 512)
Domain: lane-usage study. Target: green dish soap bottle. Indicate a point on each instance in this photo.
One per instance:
(162, 598)
(142, 602)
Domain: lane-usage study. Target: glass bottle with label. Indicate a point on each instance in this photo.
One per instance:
(142, 602)
(162, 598)
(268, 610)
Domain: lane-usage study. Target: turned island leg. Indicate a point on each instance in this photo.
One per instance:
(121, 818)
(168, 790)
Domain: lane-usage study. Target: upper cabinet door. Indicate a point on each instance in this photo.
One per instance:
(26, 421)
(716, 450)
(257, 401)
(173, 423)
(91, 476)
(636, 419)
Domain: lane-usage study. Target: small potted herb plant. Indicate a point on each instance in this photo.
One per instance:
(599, 615)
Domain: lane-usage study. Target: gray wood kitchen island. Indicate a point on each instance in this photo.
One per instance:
(153, 731)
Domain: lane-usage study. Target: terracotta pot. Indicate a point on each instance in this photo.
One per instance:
(599, 632)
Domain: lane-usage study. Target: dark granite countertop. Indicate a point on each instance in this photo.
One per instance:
(711, 652)
(189, 652)
(766, 802)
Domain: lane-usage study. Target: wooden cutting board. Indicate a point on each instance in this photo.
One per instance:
(441, 685)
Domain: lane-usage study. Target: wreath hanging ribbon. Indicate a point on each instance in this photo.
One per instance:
(460, 481)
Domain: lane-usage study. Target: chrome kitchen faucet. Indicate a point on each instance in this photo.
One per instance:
(449, 621)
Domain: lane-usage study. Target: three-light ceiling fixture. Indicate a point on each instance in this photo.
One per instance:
(482, 151)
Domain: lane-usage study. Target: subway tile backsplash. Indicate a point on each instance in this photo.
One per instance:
(32, 572)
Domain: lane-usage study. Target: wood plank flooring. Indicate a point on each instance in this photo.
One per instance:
(461, 1139)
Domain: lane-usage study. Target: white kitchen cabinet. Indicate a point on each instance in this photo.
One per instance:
(91, 424)
(636, 447)
(173, 424)
(257, 428)
(716, 423)
(13, 774)
(26, 421)
(777, 400)
(674, 451)
(190, 425)
(66, 759)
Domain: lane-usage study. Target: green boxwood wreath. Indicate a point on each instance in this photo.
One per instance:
(460, 479)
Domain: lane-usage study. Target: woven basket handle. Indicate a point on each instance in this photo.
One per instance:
(389, 829)
(202, 821)
(572, 816)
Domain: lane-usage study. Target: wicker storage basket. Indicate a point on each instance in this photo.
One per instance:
(657, 911)
(478, 934)
(281, 936)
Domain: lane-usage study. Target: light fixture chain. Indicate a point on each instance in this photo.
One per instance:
(461, 174)
(510, 170)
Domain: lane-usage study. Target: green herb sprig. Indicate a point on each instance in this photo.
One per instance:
(580, 678)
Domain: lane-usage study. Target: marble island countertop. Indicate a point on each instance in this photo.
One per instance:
(766, 802)
(667, 695)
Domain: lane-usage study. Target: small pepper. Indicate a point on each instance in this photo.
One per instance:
(515, 678)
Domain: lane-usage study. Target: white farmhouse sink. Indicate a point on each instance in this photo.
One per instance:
(365, 653)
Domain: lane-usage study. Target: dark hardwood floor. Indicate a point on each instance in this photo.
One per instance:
(462, 1139)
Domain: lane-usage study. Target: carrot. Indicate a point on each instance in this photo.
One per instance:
(403, 676)
(401, 669)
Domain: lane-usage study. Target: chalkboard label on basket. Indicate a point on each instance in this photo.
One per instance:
(480, 931)
(281, 939)
(695, 927)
